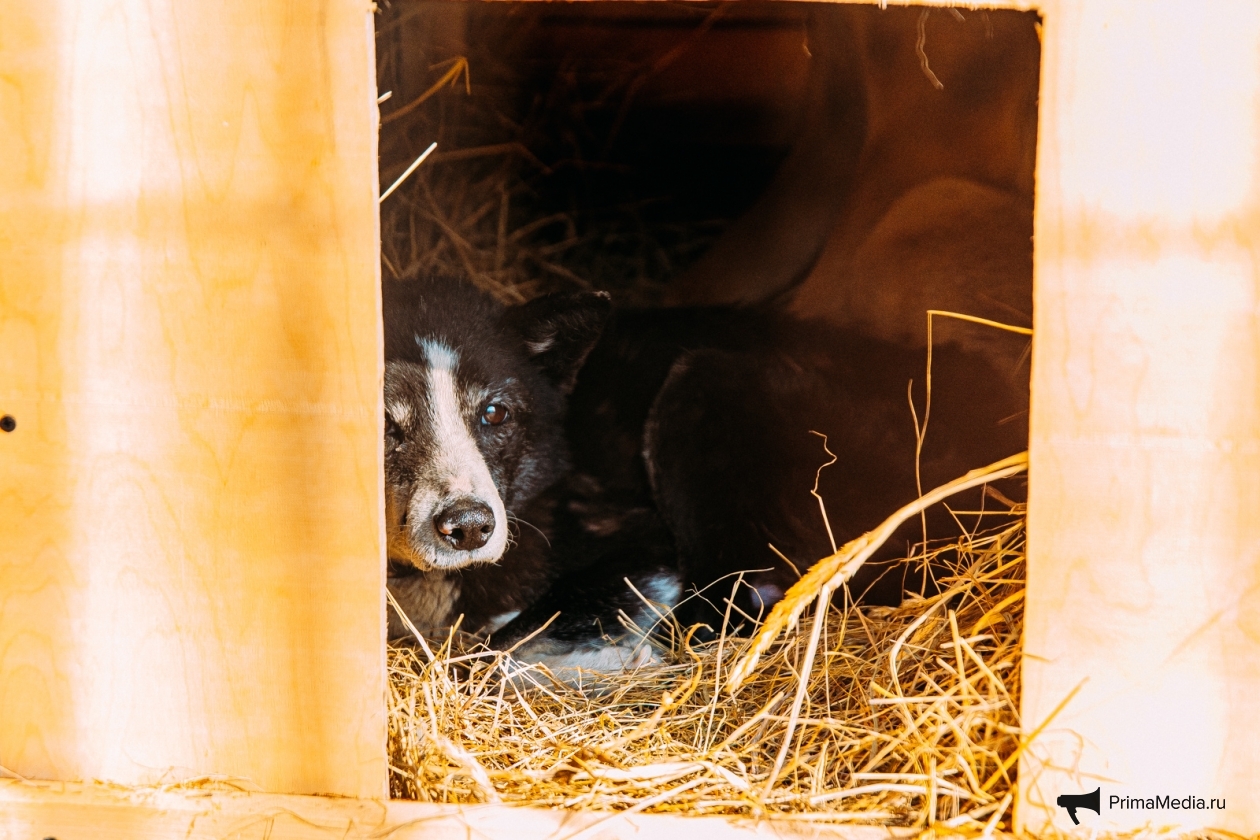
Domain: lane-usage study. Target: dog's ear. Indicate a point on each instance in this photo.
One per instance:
(560, 330)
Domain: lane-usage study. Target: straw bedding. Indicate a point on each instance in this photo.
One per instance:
(909, 714)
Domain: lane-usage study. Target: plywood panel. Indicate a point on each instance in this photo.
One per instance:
(1144, 526)
(103, 813)
(191, 570)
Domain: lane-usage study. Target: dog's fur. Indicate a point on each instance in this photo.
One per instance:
(707, 414)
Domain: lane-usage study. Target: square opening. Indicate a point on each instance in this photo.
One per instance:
(842, 165)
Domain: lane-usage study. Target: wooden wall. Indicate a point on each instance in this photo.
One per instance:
(191, 572)
(1144, 508)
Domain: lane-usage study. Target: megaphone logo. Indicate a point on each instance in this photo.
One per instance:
(1072, 801)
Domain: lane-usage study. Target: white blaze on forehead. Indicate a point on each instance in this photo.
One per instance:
(457, 461)
(437, 354)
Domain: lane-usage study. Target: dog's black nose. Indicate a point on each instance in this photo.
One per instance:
(465, 525)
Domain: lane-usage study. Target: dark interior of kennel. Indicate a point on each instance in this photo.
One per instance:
(719, 153)
(603, 144)
(609, 144)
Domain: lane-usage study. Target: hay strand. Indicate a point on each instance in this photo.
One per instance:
(407, 172)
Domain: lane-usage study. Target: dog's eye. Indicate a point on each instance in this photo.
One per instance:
(493, 415)
(393, 434)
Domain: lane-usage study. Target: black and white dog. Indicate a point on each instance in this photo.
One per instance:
(689, 437)
(475, 458)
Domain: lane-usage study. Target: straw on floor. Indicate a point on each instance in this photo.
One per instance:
(905, 716)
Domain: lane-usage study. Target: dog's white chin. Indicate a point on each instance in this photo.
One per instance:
(428, 557)
(450, 560)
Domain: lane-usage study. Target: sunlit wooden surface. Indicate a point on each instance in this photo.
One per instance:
(190, 564)
(70, 811)
(1144, 527)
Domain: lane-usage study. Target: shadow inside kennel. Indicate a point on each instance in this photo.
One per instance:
(700, 153)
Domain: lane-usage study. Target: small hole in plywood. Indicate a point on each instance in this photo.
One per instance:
(843, 167)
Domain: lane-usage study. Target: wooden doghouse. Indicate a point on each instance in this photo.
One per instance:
(191, 552)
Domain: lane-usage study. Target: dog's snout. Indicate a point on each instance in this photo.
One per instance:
(465, 525)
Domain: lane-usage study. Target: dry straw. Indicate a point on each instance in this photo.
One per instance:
(892, 716)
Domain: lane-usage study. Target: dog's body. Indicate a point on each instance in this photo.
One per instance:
(707, 414)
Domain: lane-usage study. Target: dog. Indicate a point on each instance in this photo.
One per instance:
(476, 468)
(650, 454)
(474, 397)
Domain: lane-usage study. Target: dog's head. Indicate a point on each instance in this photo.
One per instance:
(474, 413)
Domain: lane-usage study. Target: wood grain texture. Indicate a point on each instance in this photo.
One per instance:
(104, 813)
(1144, 523)
(191, 572)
